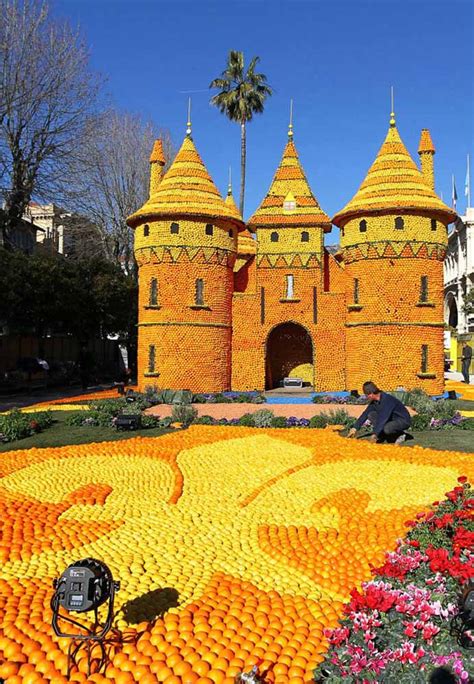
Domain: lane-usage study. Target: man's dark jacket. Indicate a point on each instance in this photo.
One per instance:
(388, 408)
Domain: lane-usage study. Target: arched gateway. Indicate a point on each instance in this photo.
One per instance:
(289, 351)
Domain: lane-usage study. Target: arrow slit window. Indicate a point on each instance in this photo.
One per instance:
(153, 300)
(424, 288)
(151, 358)
(199, 292)
(290, 287)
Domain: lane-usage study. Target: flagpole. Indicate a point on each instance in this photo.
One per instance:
(468, 183)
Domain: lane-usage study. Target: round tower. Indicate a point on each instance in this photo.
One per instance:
(185, 247)
(394, 239)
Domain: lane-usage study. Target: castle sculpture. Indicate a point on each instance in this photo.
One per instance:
(227, 305)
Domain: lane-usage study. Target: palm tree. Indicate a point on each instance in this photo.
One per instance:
(241, 96)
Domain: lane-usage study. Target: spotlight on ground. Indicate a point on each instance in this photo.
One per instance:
(84, 587)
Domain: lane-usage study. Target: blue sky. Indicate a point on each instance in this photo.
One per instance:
(337, 60)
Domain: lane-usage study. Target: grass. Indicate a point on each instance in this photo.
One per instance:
(444, 440)
(60, 434)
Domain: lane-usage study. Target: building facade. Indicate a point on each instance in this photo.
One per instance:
(458, 282)
(224, 305)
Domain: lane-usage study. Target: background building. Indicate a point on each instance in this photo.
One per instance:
(458, 281)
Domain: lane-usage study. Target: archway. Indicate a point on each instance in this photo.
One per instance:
(451, 310)
(289, 347)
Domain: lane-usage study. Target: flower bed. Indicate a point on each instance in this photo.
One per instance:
(14, 425)
(260, 535)
(405, 623)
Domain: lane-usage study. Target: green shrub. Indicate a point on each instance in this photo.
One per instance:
(420, 421)
(263, 418)
(76, 418)
(205, 420)
(338, 417)
(148, 421)
(318, 421)
(184, 414)
(246, 420)
(279, 422)
(444, 409)
(109, 407)
(467, 424)
(17, 425)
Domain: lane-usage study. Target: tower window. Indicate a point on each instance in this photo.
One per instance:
(433, 224)
(399, 223)
(231, 233)
(305, 236)
(199, 292)
(153, 300)
(274, 236)
(151, 358)
(424, 358)
(363, 226)
(146, 230)
(174, 228)
(356, 290)
(209, 229)
(290, 287)
(424, 288)
(289, 205)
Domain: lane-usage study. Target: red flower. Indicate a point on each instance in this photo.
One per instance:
(462, 479)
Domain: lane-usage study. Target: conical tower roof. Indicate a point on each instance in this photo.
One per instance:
(393, 183)
(426, 144)
(289, 201)
(187, 189)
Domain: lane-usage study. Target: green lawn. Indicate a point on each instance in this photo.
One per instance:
(60, 434)
(449, 440)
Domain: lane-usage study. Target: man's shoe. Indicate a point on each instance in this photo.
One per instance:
(400, 439)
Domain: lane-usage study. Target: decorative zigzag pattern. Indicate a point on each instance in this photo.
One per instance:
(172, 255)
(388, 249)
(291, 260)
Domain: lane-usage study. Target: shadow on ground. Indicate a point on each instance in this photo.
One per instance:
(150, 606)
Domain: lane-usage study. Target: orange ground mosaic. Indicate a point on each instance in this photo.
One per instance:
(260, 534)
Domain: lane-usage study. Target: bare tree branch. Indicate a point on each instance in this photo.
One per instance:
(112, 178)
(48, 97)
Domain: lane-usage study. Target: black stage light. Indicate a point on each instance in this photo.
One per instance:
(83, 587)
(452, 394)
(355, 393)
(130, 421)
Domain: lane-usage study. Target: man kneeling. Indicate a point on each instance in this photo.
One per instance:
(388, 416)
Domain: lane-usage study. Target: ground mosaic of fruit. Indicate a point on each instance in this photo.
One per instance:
(245, 541)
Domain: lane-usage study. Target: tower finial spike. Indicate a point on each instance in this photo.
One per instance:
(290, 126)
(188, 124)
(229, 187)
(392, 110)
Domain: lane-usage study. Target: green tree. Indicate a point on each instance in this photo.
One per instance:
(468, 307)
(48, 293)
(241, 95)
